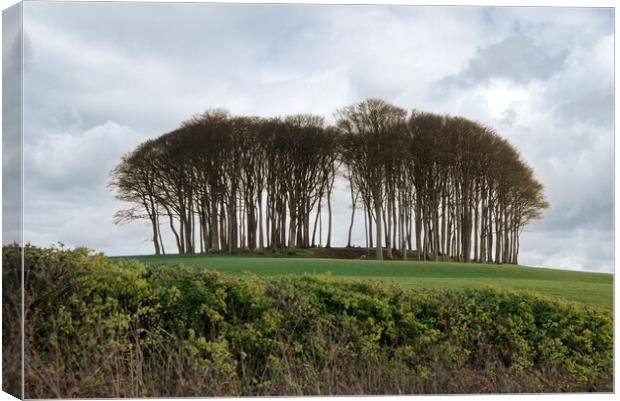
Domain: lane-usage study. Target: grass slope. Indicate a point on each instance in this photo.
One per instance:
(594, 289)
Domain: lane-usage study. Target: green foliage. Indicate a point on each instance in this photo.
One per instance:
(11, 321)
(97, 327)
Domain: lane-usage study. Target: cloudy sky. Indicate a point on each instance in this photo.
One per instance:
(102, 77)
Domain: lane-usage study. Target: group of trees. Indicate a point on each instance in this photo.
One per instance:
(231, 182)
(223, 183)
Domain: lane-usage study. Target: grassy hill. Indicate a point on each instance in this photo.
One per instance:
(593, 289)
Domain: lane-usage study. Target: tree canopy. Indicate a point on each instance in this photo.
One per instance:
(223, 183)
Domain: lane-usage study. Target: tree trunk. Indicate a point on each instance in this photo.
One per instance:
(418, 231)
(316, 223)
(366, 233)
(379, 213)
(155, 236)
(261, 240)
(370, 230)
(353, 203)
(161, 241)
(329, 218)
(292, 231)
(215, 242)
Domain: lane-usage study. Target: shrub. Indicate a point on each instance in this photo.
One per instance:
(97, 327)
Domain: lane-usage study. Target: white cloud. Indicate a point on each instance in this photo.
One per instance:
(65, 194)
(83, 160)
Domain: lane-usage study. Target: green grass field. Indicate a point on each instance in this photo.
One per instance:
(593, 289)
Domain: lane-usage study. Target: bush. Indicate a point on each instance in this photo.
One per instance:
(102, 328)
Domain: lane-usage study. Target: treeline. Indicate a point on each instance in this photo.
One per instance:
(446, 185)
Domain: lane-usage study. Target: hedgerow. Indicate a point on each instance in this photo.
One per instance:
(102, 328)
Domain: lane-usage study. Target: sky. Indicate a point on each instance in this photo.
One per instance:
(101, 78)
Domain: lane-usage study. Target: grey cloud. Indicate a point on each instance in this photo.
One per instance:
(586, 92)
(593, 213)
(517, 58)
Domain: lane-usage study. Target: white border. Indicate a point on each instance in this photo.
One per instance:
(547, 3)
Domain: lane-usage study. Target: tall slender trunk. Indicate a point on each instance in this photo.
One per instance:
(489, 232)
(409, 226)
(329, 217)
(176, 234)
(395, 242)
(320, 230)
(476, 218)
(482, 258)
(370, 230)
(261, 240)
(215, 242)
(442, 242)
(292, 231)
(230, 233)
(418, 231)
(379, 214)
(226, 220)
(155, 236)
(316, 223)
(366, 233)
(402, 224)
(152, 213)
(498, 236)
(388, 229)
(435, 230)
(283, 225)
(161, 241)
(353, 203)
